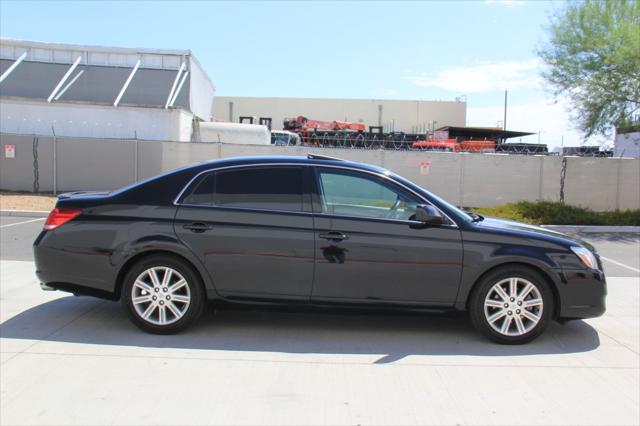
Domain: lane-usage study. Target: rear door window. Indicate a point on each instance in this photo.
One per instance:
(265, 188)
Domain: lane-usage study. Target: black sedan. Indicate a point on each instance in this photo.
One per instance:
(310, 231)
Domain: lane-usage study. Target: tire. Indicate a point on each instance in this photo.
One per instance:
(489, 311)
(182, 303)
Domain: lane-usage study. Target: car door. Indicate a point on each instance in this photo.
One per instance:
(368, 248)
(252, 228)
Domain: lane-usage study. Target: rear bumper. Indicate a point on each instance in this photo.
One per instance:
(582, 294)
(45, 287)
(74, 270)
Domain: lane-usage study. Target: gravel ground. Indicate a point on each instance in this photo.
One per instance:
(18, 201)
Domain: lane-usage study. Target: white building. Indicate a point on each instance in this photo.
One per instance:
(392, 115)
(108, 92)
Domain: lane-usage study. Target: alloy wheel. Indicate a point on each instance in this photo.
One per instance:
(160, 295)
(513, 306)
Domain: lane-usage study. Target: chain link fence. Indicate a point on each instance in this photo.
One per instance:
(422, 142)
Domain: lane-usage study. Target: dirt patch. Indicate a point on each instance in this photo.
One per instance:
(18, 201)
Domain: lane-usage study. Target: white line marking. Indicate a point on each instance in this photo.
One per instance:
(620, 264)
(22, 223)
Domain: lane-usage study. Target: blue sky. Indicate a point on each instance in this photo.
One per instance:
(395, 50)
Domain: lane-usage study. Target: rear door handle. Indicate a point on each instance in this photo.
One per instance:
(197, 227)
(334, 236)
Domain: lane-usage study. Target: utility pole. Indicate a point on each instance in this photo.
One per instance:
(504, 122)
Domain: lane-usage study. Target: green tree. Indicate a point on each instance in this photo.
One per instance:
(593, 58)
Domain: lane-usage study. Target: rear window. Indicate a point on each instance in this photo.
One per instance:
(202, 194)
(268, 188)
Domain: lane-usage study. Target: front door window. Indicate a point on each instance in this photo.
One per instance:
(350, 194)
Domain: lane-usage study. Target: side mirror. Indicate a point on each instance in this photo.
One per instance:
(429, 215)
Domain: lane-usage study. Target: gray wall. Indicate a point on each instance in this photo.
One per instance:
(475, 180)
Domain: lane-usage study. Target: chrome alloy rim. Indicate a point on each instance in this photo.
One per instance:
(513, 306)
(160, 295)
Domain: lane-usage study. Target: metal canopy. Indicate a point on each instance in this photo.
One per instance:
(480, 133)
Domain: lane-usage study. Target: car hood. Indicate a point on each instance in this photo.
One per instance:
(527, 230)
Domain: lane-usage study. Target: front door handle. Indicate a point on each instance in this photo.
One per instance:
(334, 236)
(197, 227)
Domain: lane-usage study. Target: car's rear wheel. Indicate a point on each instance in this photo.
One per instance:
(512, 305)
(162, 294)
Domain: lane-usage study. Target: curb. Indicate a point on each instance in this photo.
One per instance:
(593, 229)
(24, 213)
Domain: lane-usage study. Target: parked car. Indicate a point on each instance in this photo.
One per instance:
(310, 231)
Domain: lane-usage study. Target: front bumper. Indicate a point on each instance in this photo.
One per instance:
(582, 294)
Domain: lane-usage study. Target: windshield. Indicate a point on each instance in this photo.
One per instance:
(280, 139)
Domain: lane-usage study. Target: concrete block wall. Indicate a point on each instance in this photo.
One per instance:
(472, 180)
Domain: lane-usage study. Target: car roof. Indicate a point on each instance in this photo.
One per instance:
(166, 185)
(317, 160)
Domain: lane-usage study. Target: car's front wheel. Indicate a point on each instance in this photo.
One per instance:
(513, 305)
(162, 295)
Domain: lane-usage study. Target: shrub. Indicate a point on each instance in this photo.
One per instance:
(554, 213)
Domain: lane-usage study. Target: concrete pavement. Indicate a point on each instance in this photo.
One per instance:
(78, 360)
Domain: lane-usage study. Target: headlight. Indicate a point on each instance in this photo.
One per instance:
(588, 258)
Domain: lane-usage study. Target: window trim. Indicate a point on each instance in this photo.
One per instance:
(313, 167)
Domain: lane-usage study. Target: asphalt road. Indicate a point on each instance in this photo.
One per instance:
(78, 360)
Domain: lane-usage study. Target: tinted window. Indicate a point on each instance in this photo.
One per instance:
(271, 188)
(351, 194)
(202, 193)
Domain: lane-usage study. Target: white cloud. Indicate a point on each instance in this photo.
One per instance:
(508, 3)
(484, 77)
(538, 115)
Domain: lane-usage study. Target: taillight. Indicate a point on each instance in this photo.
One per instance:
(59, 217)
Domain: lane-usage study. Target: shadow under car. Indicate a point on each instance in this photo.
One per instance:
(85, 320)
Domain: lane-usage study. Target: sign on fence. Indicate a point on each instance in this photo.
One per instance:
(9, 151)
(424, 167)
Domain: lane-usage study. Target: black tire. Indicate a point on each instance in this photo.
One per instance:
(191, 311)
(524, 275)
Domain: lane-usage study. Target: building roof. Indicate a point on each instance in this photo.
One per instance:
(324, 99)
(96, 55)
